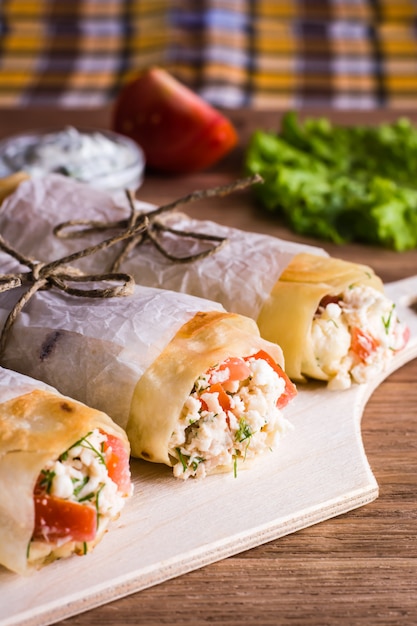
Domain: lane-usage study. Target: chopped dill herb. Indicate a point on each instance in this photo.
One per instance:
(97, 499)
(182, 457)
(387, 321)
(47, 480)
(84, 443)
(196, 462)
(87, 498)
(81, 485)
(244, 431)
(87, 444)
(235, 463)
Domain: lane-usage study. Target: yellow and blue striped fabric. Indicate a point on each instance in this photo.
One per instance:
(77, 52)
(258, 53)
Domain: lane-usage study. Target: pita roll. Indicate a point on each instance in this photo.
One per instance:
(252, 275)
(240, 275)
(48, 484)
(172, 370)
(342, 327)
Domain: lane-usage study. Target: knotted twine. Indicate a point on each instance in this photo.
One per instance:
(136, 229)
(60, 274)
(155, 226)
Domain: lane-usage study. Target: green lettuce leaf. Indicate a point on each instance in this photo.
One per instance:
(340, 183)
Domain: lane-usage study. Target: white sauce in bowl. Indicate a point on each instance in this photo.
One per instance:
(101, 158)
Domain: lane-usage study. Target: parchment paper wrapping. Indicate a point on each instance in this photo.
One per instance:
(297, 295)
(37, 424)
(240, 276)
(244, 276)
(135, 357)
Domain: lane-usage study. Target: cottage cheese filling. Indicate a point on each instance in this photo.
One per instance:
(79, 475)
(356, 335)
(224, 421)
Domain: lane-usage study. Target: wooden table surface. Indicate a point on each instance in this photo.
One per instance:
(358, 568)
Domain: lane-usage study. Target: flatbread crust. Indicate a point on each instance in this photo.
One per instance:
(205, 340)
(287, 314)
(35, 428)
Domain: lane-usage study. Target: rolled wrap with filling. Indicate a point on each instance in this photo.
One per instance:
(244, 276)
(64, 474)
(343, 327)
(240, 275)
(194, 387)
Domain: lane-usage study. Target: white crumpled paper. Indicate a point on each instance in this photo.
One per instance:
(240, 275)
(92, 350)
(13, 385)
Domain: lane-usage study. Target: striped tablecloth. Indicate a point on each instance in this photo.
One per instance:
(257, 53)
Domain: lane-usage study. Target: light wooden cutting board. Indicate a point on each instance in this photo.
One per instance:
(171, 527)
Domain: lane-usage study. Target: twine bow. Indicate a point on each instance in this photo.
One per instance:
(60, 274)
(148, 226)
(134, 231)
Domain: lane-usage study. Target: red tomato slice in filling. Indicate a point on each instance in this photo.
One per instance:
(406, 337)
(362, 343)
(290, 390)
(56, 519)
(117, 462)
(223, 398)
(238, 369)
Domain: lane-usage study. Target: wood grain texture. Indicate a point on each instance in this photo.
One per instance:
(358, 568)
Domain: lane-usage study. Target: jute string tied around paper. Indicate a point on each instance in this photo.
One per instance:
(139, 226)
(155, 226)
(60, 274)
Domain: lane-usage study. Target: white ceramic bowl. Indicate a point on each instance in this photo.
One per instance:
(101, 158)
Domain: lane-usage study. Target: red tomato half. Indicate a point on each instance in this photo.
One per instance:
(290, 389)
(362, 344)
(177, 130)
(56, 518)
(117, 462)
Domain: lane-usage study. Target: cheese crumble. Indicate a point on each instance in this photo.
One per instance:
(79, 475)
(209, 437)
(356, 337)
